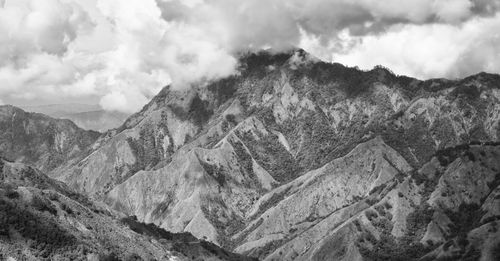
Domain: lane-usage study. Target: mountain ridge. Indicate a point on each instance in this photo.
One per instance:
(89, 117)
(48, 220)
(37, 139)
(231, 160)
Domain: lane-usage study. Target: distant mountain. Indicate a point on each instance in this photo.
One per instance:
(297, 159)
(59, 110)
(42, 219)
(89, 117)
(97, 120)
(37, 139)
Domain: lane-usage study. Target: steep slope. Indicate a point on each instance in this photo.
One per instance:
(43, 219)
(231, 160)
(40, 140)
(203, 191)
(319, 112)
(322, 197)
(444, 210)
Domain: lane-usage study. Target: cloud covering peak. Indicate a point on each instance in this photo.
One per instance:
(119, 53)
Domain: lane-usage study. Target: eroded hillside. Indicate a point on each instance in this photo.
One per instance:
(297, 159)
(42, 219)
(42, 141)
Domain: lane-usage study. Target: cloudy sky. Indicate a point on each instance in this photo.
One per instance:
(119, 53)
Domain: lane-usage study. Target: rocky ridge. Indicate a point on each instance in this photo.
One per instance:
(297, 159)
(42, 141)
(42, 219)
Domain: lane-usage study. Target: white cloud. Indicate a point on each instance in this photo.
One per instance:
(433, 50)
(120, 53)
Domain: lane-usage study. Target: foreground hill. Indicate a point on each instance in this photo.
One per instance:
(40, 140)
(42, 219)
(298, 159)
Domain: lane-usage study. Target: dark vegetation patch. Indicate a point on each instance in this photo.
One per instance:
(261, 252)
(435, 85)
(199, 111)
(231, 119)
(148, 149)
(450, 154)
(419, 139)
(255, 64)
(272, 201)
(496, 252)
(184, 243)
(271, 155)
(244, 159)
(162, 208)
(215, 171)
(42, 205)
(224, 89)
(319, 142)
(495, 182)
(389, 248)
(227, 224)
(468, 92)
(45, 236)
(313, 141)
(351, 81)
(335, 248)
(240, 239)
(466, 218)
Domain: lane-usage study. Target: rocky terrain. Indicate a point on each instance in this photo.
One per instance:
(297, 159)
(42, 141)
(42, 219)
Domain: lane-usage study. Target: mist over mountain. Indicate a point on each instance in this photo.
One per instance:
(88, 117)
(297, 159)
(58, 110)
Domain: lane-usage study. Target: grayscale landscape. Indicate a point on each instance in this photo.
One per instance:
(128, 131)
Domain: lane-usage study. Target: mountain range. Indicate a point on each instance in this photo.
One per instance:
(292, 158)
(88, 117)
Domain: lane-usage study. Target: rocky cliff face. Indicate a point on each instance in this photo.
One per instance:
(43, 219)
(297, 159)
(37, 139)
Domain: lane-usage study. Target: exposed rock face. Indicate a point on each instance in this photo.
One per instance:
(43, 219)
(443, 210)
(37, 139)
(296, 159)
